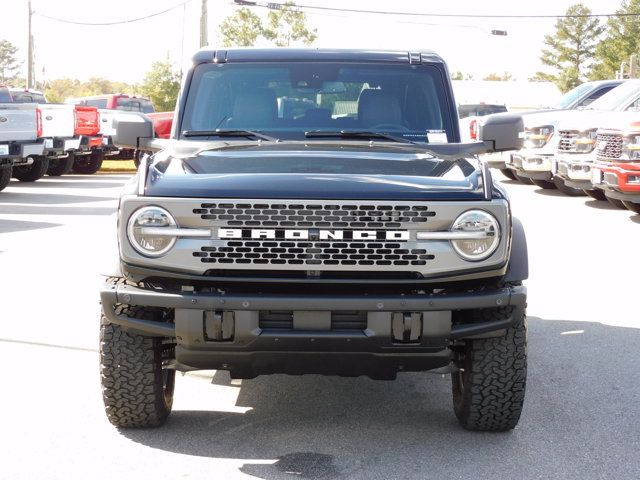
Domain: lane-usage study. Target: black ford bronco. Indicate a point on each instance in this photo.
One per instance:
(315, 212)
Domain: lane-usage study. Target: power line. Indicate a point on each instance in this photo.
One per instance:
(121, 22)
(278, 6)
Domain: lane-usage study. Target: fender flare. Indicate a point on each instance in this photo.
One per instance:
(518, 269)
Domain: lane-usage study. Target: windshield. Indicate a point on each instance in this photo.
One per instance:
(285, 100)
(572, 96)
(618, 98)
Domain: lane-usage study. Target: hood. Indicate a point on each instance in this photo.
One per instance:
(583, 120)
(627, 123)
(547, 117)
(314, 170)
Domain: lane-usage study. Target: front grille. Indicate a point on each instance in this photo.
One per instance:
(340, 320)
(265, 252)
(314, 215)
(567, 141)
(609, 146)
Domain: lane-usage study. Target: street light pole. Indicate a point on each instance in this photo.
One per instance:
(204, 34)
(30, 50)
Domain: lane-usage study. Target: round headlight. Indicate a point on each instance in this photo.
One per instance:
(483, 235)
(141, 234)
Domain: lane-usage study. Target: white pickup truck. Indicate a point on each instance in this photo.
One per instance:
(18, 135)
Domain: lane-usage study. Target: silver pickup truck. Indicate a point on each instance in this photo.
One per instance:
(18, 136)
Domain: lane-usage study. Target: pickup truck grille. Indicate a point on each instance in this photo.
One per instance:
(314, 253)
(324, 215)
(609, 146)
(567, 141)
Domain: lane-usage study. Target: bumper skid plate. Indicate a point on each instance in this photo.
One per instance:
(237, 333)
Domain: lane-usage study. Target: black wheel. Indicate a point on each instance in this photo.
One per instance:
(5, 176)
(545, 184)
(596, 194)
(488, 391)
(507, 172)
(570, 191)
(634, 207)
(616, 203)
(33, 172)
(525, 180)
(88, 164)
(136, 390)
(60, 166)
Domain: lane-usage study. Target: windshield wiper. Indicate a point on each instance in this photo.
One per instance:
(358, 134)
(228, 133)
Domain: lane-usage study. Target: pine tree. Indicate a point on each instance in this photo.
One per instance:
(572, 47)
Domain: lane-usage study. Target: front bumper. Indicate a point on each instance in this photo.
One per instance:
(496, 160)
(531, 164)
(396, 333)
(574, 169)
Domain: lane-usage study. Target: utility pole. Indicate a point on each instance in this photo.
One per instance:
(204, 33)
(30, 51)
(633, 66)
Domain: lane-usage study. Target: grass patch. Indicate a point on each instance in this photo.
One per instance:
(112, 166)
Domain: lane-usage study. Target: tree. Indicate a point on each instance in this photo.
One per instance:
(622, 40)
(288, 24)
(461, 76)
(494, 77)
(241, 29)
(161, 84)
(9, 64)
(572, 47)
(284, 26)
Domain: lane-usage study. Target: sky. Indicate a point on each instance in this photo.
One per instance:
(125, 52)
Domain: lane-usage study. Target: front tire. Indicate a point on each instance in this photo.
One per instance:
(569, 191)
(616, 203)
(521, 179)
(634, 207)
(33, 172)
(507, 172)
(596, 194)
(5, 176)
(488, 391)
(60, 166)
(88, 164)
(544, 184)
(136, 390)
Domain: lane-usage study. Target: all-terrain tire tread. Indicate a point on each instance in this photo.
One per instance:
(495, 384)
(131, 375)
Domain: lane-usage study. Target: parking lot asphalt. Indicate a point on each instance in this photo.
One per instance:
(581, 417)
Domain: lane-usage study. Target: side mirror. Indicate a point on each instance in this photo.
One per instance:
(501, 132)
(130, 128)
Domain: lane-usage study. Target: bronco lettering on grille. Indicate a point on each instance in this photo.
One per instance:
(312, 234)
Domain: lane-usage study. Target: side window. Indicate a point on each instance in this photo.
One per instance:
(596, 95)
(635, 106)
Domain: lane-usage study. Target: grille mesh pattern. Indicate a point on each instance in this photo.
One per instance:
(609, 146)
(319, 216)
(313, 253)
(567, 141)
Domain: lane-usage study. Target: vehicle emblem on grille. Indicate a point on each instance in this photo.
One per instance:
(3, 119)
(312, 234)
(602, 145)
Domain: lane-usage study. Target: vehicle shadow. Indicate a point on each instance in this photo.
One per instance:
(8, 226)
(601, 205)
(318, 427)
(48, 198)
(550, 192)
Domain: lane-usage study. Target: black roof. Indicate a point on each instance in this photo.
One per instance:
(208, 55)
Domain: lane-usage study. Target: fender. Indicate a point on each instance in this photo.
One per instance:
(519, 261)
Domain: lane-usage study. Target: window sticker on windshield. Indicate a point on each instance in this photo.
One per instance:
(437, 136)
